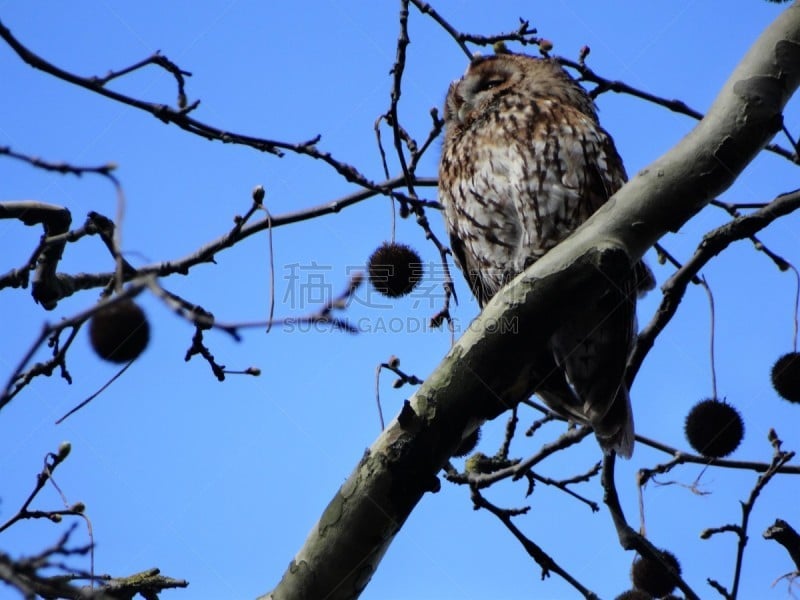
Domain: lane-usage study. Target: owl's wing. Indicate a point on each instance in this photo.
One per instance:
(469, 267)
(592, 348)
(601, 185)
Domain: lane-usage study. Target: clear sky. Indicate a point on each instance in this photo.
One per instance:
(219, 483)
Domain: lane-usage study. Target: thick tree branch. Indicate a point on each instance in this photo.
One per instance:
(490, 368)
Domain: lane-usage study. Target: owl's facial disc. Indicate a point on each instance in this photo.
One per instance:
(481, 85)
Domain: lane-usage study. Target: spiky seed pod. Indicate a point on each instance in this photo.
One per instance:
(650, 576)
(786, 376)
(394, 269)
(120, 332)
(634, 595)
(714, 428)
(468, 444)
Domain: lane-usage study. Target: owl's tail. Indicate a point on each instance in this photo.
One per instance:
(612, 422)
(614, 430)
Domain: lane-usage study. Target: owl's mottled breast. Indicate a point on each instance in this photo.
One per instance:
(517, 172)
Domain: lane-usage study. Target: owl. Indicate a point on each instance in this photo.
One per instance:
(524, 163)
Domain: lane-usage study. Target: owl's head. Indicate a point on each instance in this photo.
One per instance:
(489, 78)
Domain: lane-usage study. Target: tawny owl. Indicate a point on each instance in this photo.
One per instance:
(524, 163)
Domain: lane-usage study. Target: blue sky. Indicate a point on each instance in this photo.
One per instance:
(219, 483)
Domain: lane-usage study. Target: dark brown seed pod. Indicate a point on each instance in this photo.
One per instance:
(120, 332)
(650, 575)
(714, 428)
(394, 269)
(786, 376)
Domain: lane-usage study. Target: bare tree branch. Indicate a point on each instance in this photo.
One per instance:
(713, 243)
(628, 537)
(180, 117)
(55, 221)
(679, 458)
(779, 458)
(544, 560)
(676, 106)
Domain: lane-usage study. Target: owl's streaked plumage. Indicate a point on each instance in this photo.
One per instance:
(524, 163)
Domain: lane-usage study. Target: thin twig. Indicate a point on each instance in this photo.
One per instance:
(711, 336)
(676, 106)
(518, 469)
(181, 118)
(393, 365)
(796, 306)
(64, 168)
(564, 484)
(629, 539)
(544, 560)
(258, 197)
(97, 393)
(680, 457)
